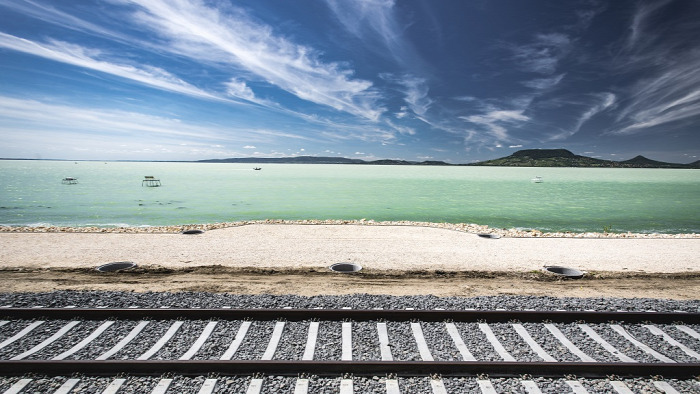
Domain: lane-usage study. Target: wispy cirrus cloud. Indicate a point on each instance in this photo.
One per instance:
(26, 120)
(671, 96)
(35, 114)
(232, 38)
(372, 21)
(670, 90)
(543, 54)
(601, 102)
(544, 83)
(639, 28)
(80, 56)
(52, 15)
(416, 91)
(494, 121)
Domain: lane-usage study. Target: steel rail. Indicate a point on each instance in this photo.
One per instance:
(359, 368)
(350, 314)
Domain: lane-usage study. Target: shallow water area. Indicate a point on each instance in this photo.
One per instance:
(110, 194)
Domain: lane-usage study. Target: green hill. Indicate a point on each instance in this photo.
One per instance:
(565, 158)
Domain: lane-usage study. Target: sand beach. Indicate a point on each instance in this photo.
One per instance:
(403, 258)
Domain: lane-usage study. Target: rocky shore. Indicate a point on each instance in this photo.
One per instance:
(462, 227)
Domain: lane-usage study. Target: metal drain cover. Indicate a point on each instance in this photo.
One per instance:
(345, 267)
(120, 265)
(487, 235)
(564, 271)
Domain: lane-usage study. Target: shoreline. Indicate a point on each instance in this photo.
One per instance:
(460, 227)
(398, 258)
(375, 247)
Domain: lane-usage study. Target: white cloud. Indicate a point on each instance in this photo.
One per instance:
(603, 102)
(52, 15)
(416, 91)
(41, 124)
(515, 146)
(36, 115)
(232, 38)
(89, 58)
(670, 96)
(401, 129)
(249, 147)
(239, 89)
(495, 120)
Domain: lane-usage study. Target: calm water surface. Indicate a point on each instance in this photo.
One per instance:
(569, 199)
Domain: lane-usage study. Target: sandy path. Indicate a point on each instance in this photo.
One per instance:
(376, 248)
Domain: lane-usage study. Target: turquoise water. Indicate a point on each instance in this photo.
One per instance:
(569, 199)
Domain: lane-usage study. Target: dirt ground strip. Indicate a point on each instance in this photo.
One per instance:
(683, 286)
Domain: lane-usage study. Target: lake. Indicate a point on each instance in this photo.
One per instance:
(110, 194)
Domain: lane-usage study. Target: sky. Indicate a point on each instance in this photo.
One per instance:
(452, 80)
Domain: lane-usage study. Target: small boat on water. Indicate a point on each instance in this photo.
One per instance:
(537, 179)
(150, 181)
(69, 180)
(257, 168)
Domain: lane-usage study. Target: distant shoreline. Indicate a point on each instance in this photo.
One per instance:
(461, 227)
(523, 158)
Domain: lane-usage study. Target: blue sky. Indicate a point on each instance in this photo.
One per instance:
(451, 80)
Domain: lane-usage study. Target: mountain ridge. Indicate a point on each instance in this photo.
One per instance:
(521, 158)
(566, 158)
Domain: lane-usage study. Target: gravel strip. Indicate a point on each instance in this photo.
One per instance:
(115, 299)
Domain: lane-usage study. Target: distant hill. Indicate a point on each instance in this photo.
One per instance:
(521, 158)
(320, 160)
(565, 158)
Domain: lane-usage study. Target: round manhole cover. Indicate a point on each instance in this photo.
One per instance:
(492, 236)
(565, 272)
(193, 232)
(120, 265)
(345, 267)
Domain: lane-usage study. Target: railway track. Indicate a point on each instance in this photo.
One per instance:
(341, 350)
